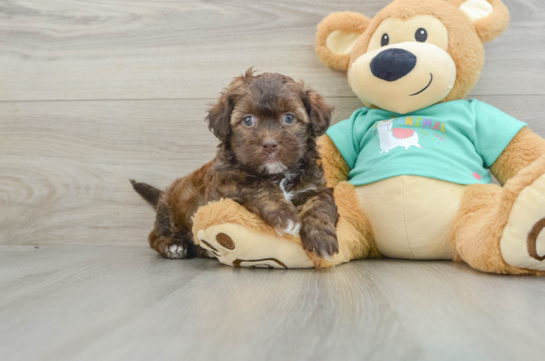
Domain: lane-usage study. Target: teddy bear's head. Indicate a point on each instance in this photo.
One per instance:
(413, 53)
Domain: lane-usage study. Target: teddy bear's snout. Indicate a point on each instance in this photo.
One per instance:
(393, 64)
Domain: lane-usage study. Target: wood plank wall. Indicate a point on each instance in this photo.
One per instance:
(93, 93)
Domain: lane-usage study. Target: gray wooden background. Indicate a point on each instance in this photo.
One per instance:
(94, 92)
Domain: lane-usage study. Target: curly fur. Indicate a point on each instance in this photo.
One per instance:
(281, 183)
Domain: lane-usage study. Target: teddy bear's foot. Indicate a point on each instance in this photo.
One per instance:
(235, 245)
(239, 238)
(523, 240)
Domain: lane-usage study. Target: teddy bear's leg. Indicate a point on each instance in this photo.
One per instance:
(498, 229)
(239, 238)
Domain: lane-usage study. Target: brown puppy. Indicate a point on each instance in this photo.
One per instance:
(267, 161)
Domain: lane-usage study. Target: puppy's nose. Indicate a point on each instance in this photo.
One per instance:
(269, 145)
(393, 64)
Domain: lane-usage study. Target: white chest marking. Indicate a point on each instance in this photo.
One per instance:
(290, 195)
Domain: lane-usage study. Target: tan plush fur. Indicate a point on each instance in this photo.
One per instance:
(525, 148)
(494, 25)
(335, 168)
(484, 209)
(477, 230)
(345, 21)
(483, 214)
(465, 45)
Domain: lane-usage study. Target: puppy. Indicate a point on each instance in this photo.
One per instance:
(267, 161)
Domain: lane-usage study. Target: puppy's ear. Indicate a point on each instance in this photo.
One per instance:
(219, 116)
(318, 111)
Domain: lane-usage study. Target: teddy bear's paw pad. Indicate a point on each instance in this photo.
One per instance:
(222, 246)
(226, 241)
(219, 245)
(523, 240)
(238, 246)
(175, 251)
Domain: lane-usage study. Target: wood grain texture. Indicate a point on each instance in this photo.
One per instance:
(94, 92)
(86, 49)
(125, 303)
(65, 165)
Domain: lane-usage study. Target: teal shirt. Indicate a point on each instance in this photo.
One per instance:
(454, 141)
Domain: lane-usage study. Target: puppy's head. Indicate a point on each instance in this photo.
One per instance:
(268, 120)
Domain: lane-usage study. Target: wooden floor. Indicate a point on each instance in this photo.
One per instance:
(94, 92)
(125, 303)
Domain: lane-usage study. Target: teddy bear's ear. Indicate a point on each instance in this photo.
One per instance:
(490, 17)
(337, 33)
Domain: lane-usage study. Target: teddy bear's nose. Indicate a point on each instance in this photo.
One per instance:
(393, 64)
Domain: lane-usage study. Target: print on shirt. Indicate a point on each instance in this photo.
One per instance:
(456, 147)
(391, 137)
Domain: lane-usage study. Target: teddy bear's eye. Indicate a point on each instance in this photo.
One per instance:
(421, 35)
(385, 40)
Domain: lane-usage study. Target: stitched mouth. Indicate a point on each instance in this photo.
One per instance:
(427, 86)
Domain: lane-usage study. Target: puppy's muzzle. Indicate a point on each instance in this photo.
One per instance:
(270, 145)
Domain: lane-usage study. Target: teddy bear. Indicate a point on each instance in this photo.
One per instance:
(410, 170)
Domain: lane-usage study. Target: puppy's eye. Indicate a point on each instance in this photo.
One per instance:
(421, 35)
(289, 119)
(385, 40)
(248, 120)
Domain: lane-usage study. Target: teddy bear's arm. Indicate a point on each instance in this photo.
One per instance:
(335, 168)
(525, 148)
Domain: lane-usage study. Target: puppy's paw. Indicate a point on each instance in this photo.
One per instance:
(322, 241)
(292, 228)
(288, 222)
(174, 251)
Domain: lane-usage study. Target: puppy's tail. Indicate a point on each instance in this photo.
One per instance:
(149, 193)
